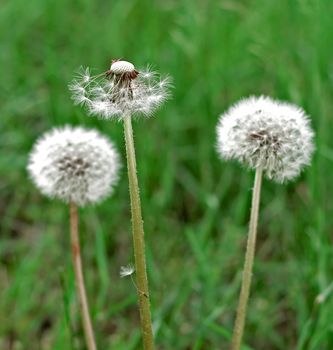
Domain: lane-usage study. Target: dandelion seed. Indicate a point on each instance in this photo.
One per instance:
(121, 90)
(259, 131)
(126, 270)
(321, 298)
(74, 165)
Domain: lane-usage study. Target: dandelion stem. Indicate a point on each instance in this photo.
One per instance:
(248, 265)
(81, 291)
(138, 239)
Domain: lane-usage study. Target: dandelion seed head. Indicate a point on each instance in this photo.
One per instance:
(74, 165)
(126, 270)
(259, 131)
(121, 90)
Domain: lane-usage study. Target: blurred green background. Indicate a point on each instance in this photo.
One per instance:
(196, 208)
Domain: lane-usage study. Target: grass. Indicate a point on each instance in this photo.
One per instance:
(196, 208)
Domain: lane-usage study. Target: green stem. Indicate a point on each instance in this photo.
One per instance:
(138, 238)
(248, 265)
(79, 280)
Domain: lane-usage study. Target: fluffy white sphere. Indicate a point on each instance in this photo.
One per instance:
(259, 131)
(74, 165)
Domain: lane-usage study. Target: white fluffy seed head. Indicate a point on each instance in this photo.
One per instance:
(259, 131)
(120, 91)
(74, 164)
(121, 67)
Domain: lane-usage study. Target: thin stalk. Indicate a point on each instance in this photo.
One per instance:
(248, 265)
(138, 239)
(79, 280)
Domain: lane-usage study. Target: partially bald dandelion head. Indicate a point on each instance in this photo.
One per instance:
(120, 90)
(74, 165)
(261, 132)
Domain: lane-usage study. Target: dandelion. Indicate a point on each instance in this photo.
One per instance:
(74, 165)
(120, 91)
(79, 167)
(262, 133)
(273, 138)
(123, 92)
